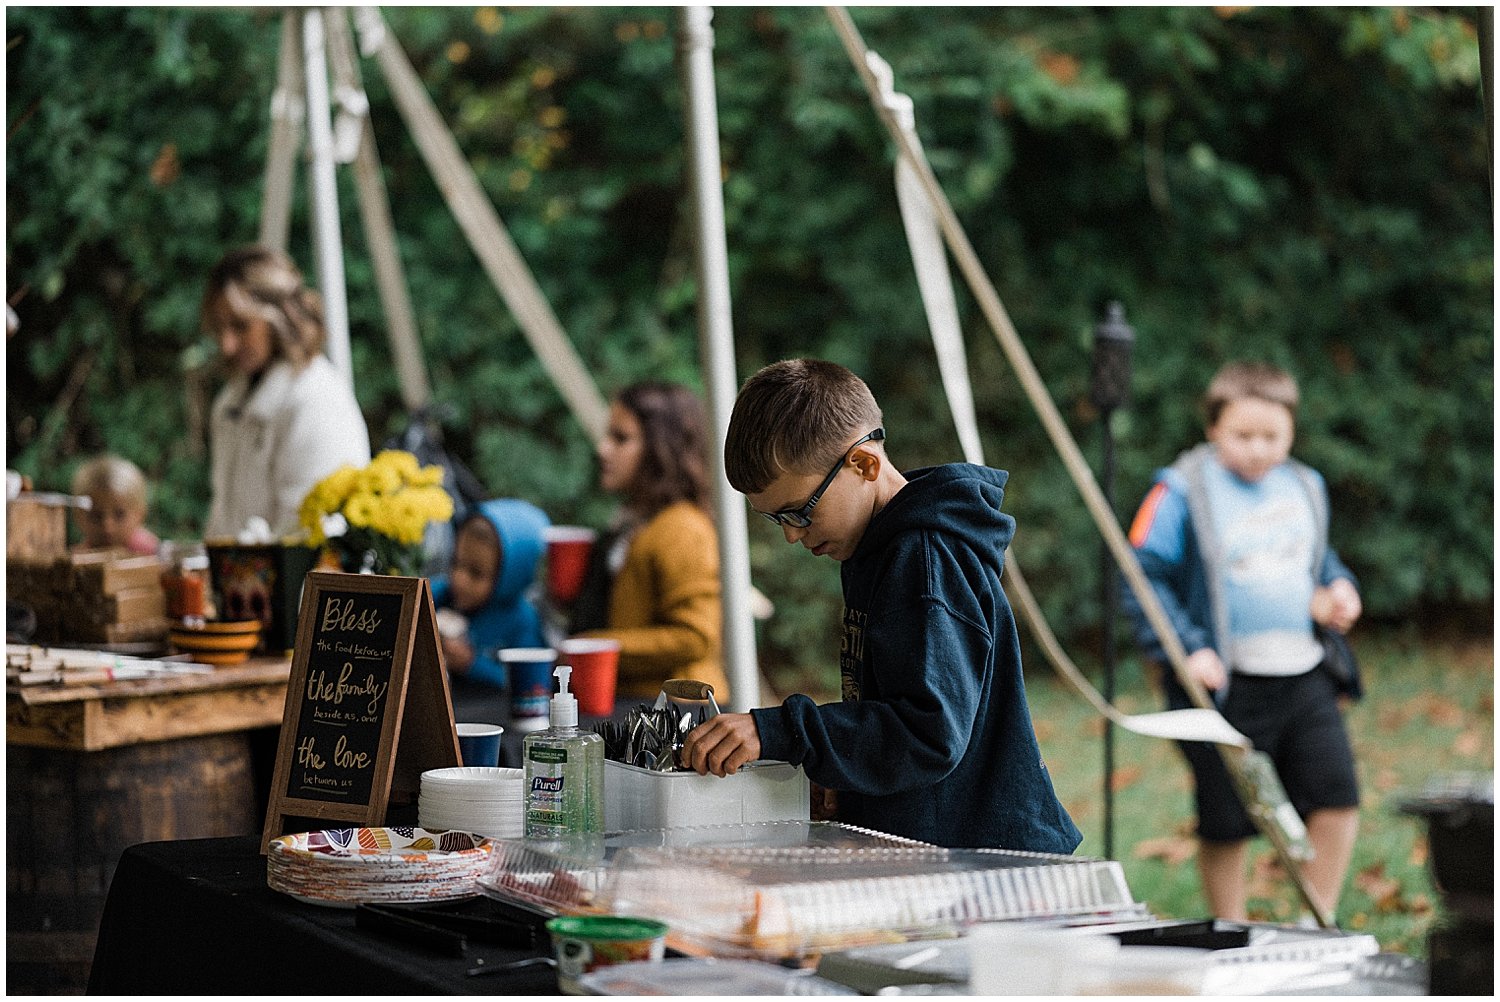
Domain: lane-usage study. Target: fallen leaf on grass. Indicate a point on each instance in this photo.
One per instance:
(1418, 857)
(1387, 779)
(1125, 776)
(1468, 744)
(1266, 876)
(1171, 849)
(1442, 712)
(1392, 718)
(1080, 809)
(1045, 730)
(1383, 890)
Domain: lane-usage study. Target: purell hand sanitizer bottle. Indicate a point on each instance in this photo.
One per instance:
(564, 772)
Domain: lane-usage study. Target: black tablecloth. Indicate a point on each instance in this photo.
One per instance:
(196, 918)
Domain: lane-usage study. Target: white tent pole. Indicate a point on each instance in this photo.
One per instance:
(380, 233)
(325, 199)
(481, 225)
(716, 345)
(287, 111)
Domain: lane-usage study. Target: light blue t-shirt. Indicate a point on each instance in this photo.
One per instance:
(1267, 535)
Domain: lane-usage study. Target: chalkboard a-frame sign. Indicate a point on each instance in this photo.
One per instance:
(367, 705)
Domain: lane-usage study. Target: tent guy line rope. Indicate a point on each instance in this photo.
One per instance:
(481, 226)
(936, 286)
(1254, 778)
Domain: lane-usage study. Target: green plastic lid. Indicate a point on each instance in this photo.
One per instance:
(606, 927)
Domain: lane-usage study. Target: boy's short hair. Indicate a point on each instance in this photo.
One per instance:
(111, 475)
(1249, 380)
(795, 416)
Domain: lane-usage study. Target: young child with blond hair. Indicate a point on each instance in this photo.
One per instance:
(116, 489)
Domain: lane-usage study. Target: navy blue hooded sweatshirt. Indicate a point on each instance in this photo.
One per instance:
(508, 618)
(933, 738)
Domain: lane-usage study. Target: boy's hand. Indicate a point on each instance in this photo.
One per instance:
(1205, 666)
(823, 803)
(458, 654)
(1337, 606)
(721, 744)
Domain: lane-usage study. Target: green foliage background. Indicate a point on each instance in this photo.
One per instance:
(1301, 185)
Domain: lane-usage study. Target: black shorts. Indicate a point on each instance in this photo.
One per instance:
(1296, 721)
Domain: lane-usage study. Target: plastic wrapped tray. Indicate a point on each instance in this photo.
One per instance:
(789, 889)
(568, 876)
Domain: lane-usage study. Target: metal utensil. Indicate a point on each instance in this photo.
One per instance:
(514, 965)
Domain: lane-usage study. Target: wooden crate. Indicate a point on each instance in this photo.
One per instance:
(92, 596)
(36, 528)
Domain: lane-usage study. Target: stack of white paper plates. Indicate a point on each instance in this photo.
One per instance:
(486, 800)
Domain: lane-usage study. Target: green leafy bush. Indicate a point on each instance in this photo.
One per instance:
(1302, 185)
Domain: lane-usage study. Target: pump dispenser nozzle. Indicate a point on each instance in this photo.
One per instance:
(564, 705)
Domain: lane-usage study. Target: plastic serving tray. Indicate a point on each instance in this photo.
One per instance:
(789, 889)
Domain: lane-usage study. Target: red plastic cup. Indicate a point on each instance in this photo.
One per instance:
(568, 548)
(596, 667)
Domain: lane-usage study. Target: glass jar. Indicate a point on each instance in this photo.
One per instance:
(185, 581)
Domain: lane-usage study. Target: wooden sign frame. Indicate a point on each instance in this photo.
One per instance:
(368, 708)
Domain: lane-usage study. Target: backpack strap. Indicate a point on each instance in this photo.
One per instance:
(1189, 466)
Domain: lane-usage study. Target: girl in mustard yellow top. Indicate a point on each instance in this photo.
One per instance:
(655, 583)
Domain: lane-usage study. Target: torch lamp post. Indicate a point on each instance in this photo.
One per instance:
(1109, 389)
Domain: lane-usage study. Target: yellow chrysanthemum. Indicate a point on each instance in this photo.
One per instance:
(402, 463)
(379, 479)
(394, 497)
(362, 509)
(428, 476)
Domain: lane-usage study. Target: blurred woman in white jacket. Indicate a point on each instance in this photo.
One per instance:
(287, 418)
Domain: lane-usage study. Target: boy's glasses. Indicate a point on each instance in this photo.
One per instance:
(801, 518)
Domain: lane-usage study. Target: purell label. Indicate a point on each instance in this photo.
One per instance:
(545, 817)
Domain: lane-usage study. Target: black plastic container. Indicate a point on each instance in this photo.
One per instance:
(1460, 815)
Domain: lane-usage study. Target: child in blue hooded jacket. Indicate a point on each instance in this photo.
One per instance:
(495, 557)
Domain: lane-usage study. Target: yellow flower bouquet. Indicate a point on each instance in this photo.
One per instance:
(374, 519)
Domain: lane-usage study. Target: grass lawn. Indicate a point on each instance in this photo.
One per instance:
(1428, 712)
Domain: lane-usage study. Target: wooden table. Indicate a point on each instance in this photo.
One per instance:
(94, 717)
(93, 769)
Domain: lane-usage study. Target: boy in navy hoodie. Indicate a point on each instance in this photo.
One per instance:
(495, 557)
(933, 738)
